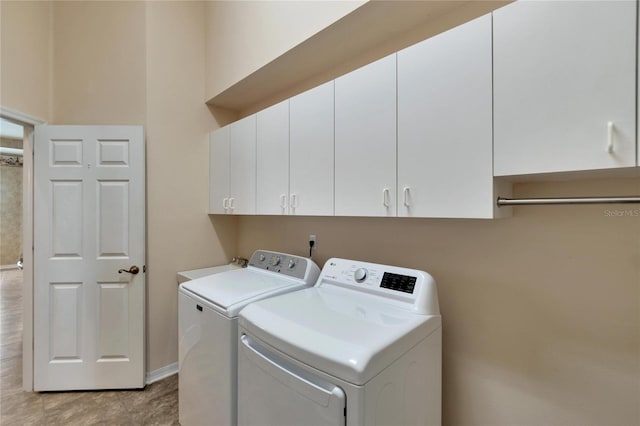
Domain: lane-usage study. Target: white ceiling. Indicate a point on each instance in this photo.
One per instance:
(10, 130)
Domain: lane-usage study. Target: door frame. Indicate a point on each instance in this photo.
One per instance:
(28, 122)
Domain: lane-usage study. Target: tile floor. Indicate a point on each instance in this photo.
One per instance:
(157, 404)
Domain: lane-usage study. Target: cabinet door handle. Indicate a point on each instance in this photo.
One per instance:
(294, 201)
(406, 197)
(232, 203)
(385, 197)
(283, 201)
(610, 131)
(225, 204)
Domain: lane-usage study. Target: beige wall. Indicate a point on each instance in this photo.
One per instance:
(181, 236)
(99, 70)
(117, 63)
(25, 57)
(541, 311)
(243, 36)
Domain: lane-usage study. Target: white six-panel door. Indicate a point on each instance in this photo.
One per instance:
(89, 210)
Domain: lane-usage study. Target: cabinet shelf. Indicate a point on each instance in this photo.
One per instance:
(372, 31)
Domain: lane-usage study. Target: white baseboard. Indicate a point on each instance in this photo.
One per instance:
(8, 267)
(162, 373)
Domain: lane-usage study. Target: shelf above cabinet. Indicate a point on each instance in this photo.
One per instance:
(372, 31)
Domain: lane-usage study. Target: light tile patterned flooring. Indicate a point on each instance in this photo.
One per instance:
(157, 404)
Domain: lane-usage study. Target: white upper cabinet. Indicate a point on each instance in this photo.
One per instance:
(365, 140)
(242, 166)
(564, 86)
(312, 152)
(219, 171)
(273, 160)
(445, 125)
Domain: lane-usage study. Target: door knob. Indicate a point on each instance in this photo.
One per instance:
(133, 270)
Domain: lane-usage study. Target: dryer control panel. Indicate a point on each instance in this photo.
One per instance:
(410, 289)
(285, 264)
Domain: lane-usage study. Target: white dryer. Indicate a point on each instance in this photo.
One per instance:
(362, 347)
(208, 330)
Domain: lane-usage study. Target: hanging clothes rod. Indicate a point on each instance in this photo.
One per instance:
(567, 200)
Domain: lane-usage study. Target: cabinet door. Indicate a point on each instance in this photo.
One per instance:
(219, 171)
(242, 166)
(444, 124)
(273, 160)
(312, 152)
(365, 132)
(562, 71)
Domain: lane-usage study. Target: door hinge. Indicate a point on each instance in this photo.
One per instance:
(144, 268)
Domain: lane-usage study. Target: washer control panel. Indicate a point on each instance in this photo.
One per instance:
(404, 283)
(409, 288)
(285, 264)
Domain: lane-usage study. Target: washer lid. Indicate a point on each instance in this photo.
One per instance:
(230, 291)
(199, 273)
(348, 334)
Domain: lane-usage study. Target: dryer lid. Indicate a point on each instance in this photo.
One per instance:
(228, 292)
(347, 334)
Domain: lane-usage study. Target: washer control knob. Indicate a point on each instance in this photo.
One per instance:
(292, 263)
(262, 258)
(275, 260)
(360, 275)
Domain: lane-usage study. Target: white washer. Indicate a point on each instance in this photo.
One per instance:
(362, 347)
(183, 276)
(208, 330)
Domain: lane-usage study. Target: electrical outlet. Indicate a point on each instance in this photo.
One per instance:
(312, 244)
